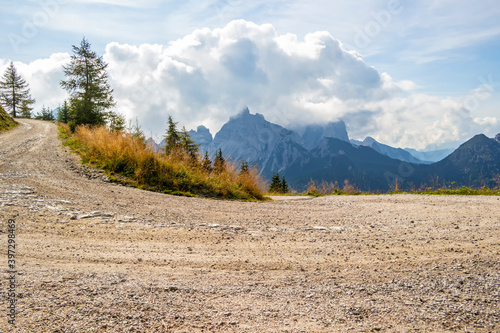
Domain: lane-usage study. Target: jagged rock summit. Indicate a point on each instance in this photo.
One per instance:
(203, 137)
(250, 137)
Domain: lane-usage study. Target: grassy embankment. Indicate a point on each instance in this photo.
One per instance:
(458, 191)
(6, 121)
(325, 188)
(129, 161)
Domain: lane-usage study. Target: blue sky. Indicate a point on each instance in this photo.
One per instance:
(438, 62)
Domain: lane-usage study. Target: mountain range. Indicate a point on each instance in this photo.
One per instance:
(324, 153)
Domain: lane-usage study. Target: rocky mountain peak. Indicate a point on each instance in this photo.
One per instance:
(202, 136)
(313, 134)
(250, 137)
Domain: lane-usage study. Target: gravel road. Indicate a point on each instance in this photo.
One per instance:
(92, 256)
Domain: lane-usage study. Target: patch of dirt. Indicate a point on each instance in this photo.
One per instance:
(93, 256)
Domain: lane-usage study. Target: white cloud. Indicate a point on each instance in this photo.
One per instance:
(43, 77)
(211, 74)
(242, 64)
(122, 3)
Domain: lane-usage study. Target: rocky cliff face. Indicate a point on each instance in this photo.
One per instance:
(313, 134)
(203, 137)
(251, 138)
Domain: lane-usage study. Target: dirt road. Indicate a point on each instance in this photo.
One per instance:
(92, 256)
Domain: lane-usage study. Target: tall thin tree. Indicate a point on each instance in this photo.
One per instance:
(219, 162)
(25, 109)
(187, 144)
(14, 91)
(172, 137)
(87, 83)
(63, 113)
(206, 163)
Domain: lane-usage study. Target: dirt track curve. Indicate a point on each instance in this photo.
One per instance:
(92, 256)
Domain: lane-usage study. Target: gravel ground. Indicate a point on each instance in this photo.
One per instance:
(92, 256)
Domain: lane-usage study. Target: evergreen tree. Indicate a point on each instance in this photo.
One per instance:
(283, 185)
(25, 110)
(136, 131)
(63, 113)
(275, 186)
(172, 138)
(14, 92)
(206, 163)
(116, 121)
(219, 162)
(87, 83)
(45, 114)
(187, 144)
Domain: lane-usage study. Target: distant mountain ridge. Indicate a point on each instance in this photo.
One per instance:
(475, 163)
(397, 153)
(430, 156)
(324, 153)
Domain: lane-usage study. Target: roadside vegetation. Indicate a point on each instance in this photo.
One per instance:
(6, 121)
(458, 191)
(318, 189)
(128, 160)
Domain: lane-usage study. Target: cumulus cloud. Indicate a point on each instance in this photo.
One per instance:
(207, 76)
(211, 74)
(43, 77)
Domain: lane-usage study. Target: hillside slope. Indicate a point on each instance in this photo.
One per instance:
(6, 121)
(475, 163)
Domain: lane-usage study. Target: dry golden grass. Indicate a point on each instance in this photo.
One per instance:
(128, 160)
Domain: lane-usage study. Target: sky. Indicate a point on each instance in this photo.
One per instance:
(420, 74)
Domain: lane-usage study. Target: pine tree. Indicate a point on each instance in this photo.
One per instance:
(45, 114)
(219, 162)
(25, 110)
(63, 113)
(116, 121)
(14, 92)
(283, 185)
(275, 186)
(136, 131)
(172, 138)
(187, 144)
(87, 83)
(206, 163)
